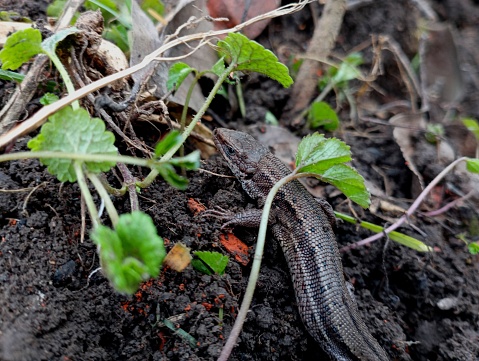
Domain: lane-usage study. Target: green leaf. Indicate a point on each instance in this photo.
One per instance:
(472, 165)
(131, 253)
(118, 34)
(167, 171)
(348, 181)
(219, 66)
(269, 118)
(214, 260)
(170, 140)
(472, 125)
(11, 75)
(325, 158)
(348, 69)
(189, 162)
(155, 5)
(434, 132)
(200, 266)
(316, 153)
(322, 115)
(48, 98)
(398, 237)
(248, 55)
(473, 248)
(20, 47)
(182, 333)
(177, 74)
(55, 9)
(50, 44)
(73, 131)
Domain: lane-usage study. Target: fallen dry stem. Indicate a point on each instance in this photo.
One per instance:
(40, 117)
(321, 44)
(411, 209)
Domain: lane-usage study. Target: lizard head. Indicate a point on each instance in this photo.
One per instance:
(241, 151)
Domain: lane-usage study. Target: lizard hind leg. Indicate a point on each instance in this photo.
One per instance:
(328, 210)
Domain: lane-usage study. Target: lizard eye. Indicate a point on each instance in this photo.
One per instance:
(229, 150)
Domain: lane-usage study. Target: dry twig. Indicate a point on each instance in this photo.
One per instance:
(40, 117)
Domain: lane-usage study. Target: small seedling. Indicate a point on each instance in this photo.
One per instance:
(130, 253)
(320, 114)
(472, 247)
(434, 133)
(210, 262)
(22, 45)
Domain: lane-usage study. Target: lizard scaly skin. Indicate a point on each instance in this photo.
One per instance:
(304, 230)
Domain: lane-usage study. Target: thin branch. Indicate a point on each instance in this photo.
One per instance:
(411, 209)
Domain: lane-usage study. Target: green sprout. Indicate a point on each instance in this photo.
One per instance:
(209, 262)
(320, 114)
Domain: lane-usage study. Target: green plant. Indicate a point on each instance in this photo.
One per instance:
(210, 262)
(320, 114)
(472, 247)
(22, 45)
(398, 237)
(434, 133)
(132, 252)
(116, 15)
(238, 54)
(76, 148)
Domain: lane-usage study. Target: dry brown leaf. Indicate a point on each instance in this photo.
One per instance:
(235, 10)
(178, 258)
(405, 130)
(441, 77)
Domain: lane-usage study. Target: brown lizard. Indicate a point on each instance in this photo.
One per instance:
(303, 228)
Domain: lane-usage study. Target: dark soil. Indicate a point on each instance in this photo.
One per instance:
(418, 306)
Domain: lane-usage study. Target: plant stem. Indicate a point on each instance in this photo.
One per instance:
(398, 237)
(66, 78)
(86, 194)
(129, 183)
(81, 157)
(253, 278)
(187, 102)
(241, 104)
(183, 117)
(154, 173)
(319, 98)
(112, 190)
(105, 196)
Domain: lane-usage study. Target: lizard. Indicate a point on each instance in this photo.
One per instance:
(304, 228)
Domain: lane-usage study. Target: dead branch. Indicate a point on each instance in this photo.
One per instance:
(320, 46)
